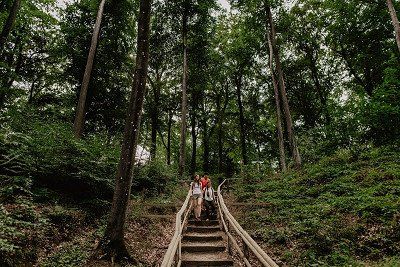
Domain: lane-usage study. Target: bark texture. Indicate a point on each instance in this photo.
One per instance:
(112, 244)
(242, 128)
(282, 157)
(154, 112)
(282, 87)
(9, 24)
(182, 149)
(395, 21)
(193, 161)
(81, 107)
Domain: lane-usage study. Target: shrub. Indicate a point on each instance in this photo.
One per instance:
(50, 155)
(154, 178)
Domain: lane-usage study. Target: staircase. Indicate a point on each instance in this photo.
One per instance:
(204, 244)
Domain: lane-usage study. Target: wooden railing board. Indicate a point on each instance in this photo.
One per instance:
(252, 245)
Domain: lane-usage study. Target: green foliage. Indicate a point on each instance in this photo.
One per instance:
(18, 225)
(154, 179)
(70, 255)
(110, 80)
(382, 112)
(48, 154)
(342, 208)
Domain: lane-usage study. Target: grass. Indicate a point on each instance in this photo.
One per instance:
(341, 211)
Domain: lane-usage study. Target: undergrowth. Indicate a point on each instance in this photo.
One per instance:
(55, 192)
(341, 211)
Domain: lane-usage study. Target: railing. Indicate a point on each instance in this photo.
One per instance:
(174, 253)
(248, 243)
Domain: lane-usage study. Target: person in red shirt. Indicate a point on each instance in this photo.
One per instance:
(204, 181)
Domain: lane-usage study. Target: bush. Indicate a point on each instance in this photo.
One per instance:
(69, 256)
(330, 213)
(154, 179)
(382, 112)
(50, 155)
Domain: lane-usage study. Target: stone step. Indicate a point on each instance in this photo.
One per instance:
(203, 223)
(206, 259)
(211, 246)
(203, 229)
(203, 237)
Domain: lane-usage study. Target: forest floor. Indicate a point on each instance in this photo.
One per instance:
(40, 232)
(341, 211)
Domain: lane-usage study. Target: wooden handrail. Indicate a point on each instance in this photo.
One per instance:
(251, 244)
(174, 247)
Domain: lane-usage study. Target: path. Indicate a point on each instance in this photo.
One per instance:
(204, 244)
(211, 243)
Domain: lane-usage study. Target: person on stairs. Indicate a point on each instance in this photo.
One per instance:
(197, 196)
(209, 202)
(204, 181)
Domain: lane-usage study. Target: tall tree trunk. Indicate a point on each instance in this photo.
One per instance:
(8, 25)
(395, 22)
(169, 139)
(288, 117)
(156, 86)
(182, 149)
(193, 162)
(219, 133)
(239, 81)
(81, 108)
(221, 117)
(8, 77)
(206, 147)
(282, 157)
(112, 244)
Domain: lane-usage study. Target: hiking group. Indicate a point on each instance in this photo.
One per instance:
(202, 189)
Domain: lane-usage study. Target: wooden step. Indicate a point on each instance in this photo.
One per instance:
(211, 246)
(203, 223)
(206, 259)
(203, 229)
(203, 237)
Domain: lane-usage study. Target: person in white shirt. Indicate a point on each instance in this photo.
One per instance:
(209, 200)
(197, 196)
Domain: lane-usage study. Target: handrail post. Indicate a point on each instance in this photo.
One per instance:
(245, 250)
(248, 242)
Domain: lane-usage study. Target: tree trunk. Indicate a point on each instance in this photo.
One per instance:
(193, 162)
(238, 81)
(395, 21)
(8, 25)
(219, 134)
(113, 245)
(182, 149)
(206, 147)
(288, 117)
(156, 86)
(282, 157)
(221, 117)
(8, 78)
(81, 108)
(169, 139)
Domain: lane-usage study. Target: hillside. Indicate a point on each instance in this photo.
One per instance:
(342, 211)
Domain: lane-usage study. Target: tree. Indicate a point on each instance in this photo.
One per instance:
(282, 157)
(182, 149)
(288, 117)
(81, 107)
(8, 25)
(395, 21)
(112, 244)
